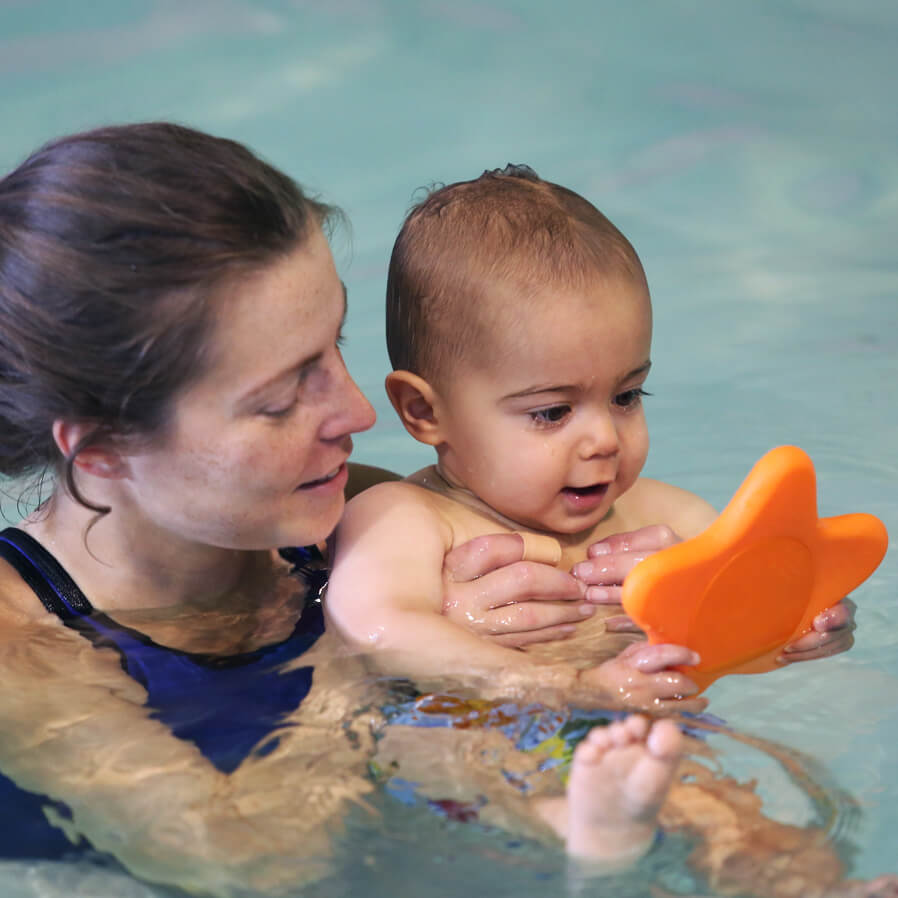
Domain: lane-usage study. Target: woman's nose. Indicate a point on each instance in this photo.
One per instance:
(351, 412)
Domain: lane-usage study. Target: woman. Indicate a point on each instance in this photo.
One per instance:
(170, 319)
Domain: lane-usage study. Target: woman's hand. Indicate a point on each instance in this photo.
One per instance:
(490, 591)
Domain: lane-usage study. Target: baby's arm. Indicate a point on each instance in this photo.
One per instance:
(385, 592)
(385, 597)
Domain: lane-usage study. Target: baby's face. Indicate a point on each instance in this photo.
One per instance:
(550, 430)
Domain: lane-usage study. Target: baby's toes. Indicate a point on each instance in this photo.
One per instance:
(665, 740)
(594, 746)
(637, 727)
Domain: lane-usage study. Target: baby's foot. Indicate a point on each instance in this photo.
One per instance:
(619, 779)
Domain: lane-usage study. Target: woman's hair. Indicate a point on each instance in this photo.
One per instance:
(112, 244)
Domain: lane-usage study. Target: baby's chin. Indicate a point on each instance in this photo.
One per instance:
(567, 525)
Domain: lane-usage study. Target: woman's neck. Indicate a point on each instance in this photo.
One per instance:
(122, 560)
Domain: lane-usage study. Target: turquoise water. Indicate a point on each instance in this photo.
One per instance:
(747, 150)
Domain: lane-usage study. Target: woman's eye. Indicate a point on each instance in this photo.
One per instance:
(278, 411)
(630, 398)
(551, 415)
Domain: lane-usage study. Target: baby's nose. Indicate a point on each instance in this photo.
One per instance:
(601, 439)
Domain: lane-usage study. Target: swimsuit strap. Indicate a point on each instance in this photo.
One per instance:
(50, 581)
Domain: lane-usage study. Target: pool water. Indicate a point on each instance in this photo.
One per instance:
(747, 150)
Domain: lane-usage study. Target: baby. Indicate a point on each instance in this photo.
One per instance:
(519, 327)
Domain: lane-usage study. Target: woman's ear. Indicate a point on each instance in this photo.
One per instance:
(99, 459)
(417, 405)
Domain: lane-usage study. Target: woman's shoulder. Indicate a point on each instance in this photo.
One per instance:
(37, 649)
(19, 606)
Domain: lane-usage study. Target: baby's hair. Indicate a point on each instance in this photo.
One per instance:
(508, 227)
(113, 243)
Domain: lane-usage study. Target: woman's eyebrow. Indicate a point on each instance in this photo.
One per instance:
(292, 370)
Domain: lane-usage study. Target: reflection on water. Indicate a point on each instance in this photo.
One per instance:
(365, 771)
(45, 879)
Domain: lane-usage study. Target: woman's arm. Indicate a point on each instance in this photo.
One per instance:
(73, 726)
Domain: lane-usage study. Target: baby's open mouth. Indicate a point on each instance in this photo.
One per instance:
(596, 489)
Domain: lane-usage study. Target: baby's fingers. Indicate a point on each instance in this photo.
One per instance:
(654, 658)
(607, 571)
(670, 690)
(833, 633)
(672, 684)
(620, 623)
(817, 645)
(694, 705)
(646, 539)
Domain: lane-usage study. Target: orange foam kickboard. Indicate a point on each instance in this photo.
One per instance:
(755, 579)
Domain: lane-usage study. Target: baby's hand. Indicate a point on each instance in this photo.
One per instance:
(832, 633)
(611, 559)
(641, 677)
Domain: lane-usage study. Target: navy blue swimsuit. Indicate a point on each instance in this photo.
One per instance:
(227, 705)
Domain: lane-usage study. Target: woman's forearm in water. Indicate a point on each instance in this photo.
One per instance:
(80, 734)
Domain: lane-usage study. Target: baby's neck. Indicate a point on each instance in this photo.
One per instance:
(573, 545)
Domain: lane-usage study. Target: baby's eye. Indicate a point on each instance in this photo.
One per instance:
(554, 414)
(630, 398)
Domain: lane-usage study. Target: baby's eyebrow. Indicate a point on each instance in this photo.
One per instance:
(567, 388)
(642, 369)
(541, 388)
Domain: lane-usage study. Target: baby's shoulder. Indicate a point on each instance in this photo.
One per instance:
(651, 501)
(421, 502)
(392, 495)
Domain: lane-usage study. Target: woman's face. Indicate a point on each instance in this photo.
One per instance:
(255, 456)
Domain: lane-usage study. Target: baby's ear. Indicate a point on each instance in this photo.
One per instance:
(417, 405)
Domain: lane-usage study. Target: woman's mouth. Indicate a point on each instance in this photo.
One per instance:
(330, 477)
